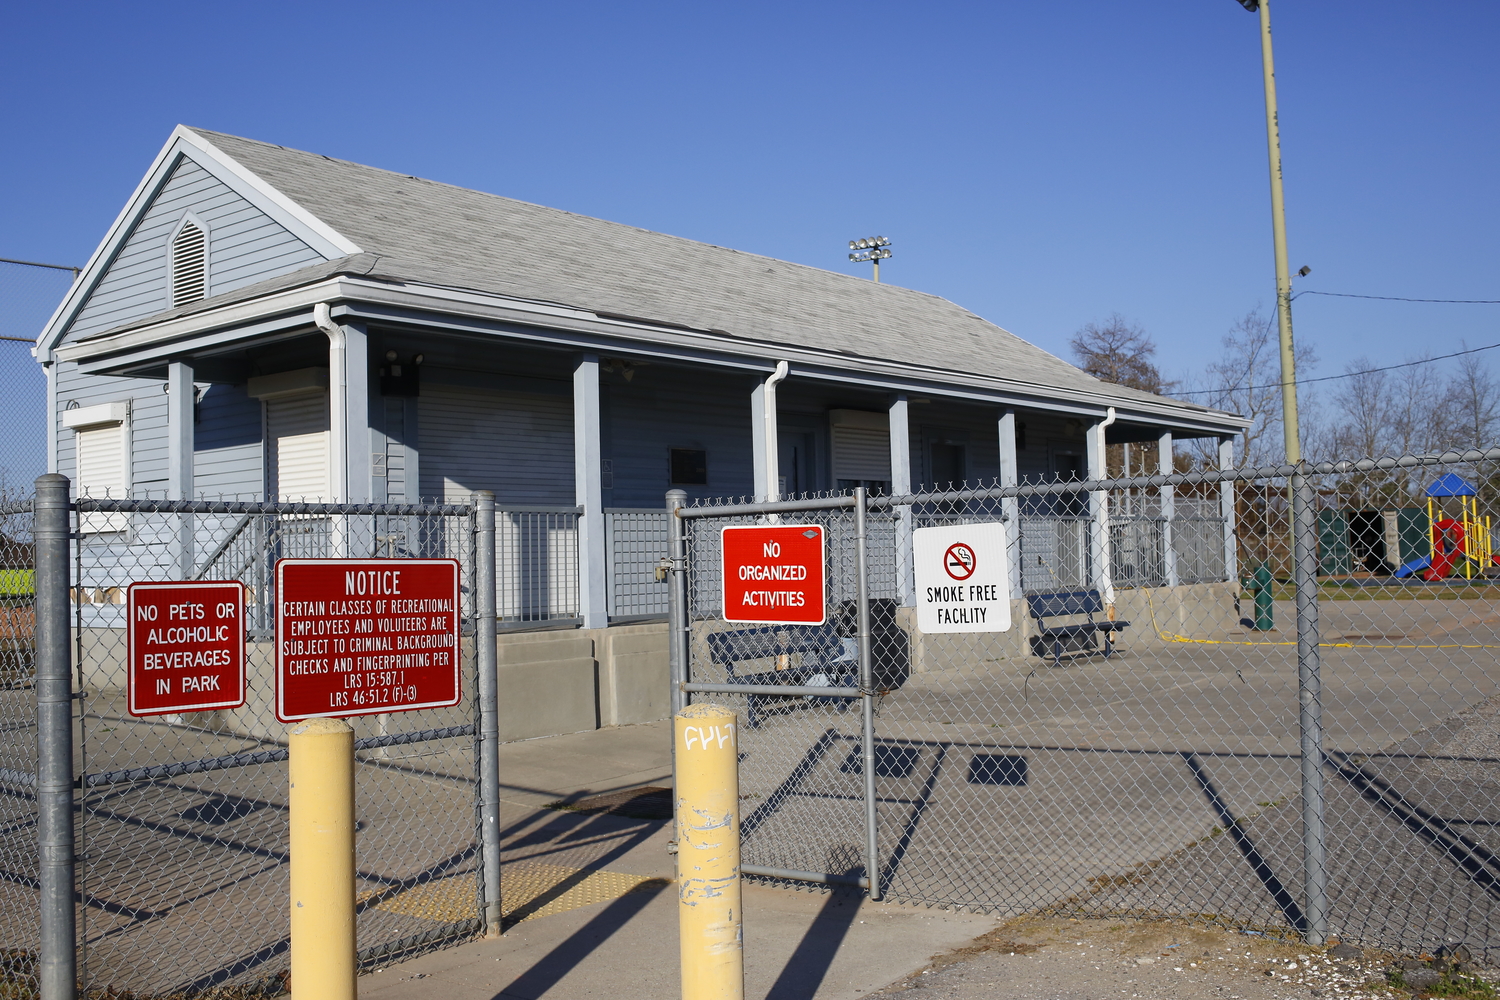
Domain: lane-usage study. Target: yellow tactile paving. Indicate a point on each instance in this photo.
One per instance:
(527, 890)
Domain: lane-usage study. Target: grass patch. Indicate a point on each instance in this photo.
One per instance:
(17, 583)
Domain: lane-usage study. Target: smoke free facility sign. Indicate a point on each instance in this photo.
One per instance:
(963, 578)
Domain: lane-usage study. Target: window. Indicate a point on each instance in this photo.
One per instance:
(101, 459)
(189, 264)
(689, 467)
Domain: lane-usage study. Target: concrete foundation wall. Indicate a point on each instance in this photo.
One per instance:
(1156, 615)
(550, 682)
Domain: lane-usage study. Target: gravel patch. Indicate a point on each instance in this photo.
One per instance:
(1036, 958)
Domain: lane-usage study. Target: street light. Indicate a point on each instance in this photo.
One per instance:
(874, 249)
(1291, 434)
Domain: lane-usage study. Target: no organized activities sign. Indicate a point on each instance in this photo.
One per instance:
(963, 578)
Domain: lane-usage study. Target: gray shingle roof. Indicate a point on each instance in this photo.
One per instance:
(435, 233)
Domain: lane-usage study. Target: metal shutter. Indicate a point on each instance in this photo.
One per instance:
(519, 444)
(101, 472)
(861, 445)
(297, 429)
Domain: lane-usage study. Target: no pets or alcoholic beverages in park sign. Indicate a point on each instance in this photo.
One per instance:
(186, 646)
(365, 636)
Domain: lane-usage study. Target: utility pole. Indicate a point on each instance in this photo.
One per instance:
(1289, 424)
(874, 249)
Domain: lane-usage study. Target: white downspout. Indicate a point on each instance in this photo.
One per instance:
(338, 394)
(768, 415)
(1109, 576)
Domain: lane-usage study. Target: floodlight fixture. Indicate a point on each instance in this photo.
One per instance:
(873, 249)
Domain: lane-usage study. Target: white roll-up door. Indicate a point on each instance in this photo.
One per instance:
(297, 430)
(518, 444)
(101, 472)
(861, 445)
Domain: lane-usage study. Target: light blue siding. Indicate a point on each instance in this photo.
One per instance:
(228, 458)
(665, 407)
(148, 405)
(244, 246)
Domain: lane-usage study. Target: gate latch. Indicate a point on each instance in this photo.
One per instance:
(663, 567)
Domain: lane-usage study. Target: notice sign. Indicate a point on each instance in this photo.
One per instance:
(963, 578)
(773, 574)
(365, 636)
(186, 646)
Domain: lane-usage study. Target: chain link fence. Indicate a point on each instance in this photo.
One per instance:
(1206, 706)
(180, 821)
(28, 295)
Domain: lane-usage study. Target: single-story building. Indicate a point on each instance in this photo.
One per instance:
(261, 322)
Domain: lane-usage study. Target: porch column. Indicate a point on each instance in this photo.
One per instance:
(1099, 568)
(1226, 510)
(360, 483)
(1010, 475)
(1165, 467)
(593, 606)
(901, 485)
(180, 458)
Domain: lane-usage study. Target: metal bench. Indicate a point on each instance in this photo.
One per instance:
(1071, 637)
(825, 656)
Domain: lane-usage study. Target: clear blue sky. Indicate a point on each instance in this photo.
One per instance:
(1041, 164)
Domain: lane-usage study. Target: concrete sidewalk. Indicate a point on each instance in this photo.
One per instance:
(599, 916)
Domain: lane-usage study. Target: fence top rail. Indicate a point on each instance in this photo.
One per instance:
(536, 509)
(26, 506)
(635, 510)
(91, 505)
(1204, 476)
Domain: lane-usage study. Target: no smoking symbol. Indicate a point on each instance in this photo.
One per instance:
(959, 561)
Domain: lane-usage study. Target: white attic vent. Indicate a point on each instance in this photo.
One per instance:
(189, 264)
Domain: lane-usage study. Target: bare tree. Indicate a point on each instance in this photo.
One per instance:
(1118, 351)
(1472, 406)
(1246, 379)
(1416, 410)
(1363, 399)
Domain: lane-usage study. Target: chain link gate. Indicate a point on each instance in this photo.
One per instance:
(1335, 773)
(179, 822)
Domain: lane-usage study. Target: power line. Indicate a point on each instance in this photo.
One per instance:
(1398, 298)
(1330, 378)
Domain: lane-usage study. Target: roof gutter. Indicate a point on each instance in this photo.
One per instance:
(450, 310)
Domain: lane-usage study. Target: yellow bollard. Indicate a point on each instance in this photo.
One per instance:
(321, 766)
(708, 853)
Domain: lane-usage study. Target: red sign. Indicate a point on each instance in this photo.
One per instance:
(365, 636)
(773, 575)
(186, 646)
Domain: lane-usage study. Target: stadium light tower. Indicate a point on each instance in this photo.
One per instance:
(874, 249)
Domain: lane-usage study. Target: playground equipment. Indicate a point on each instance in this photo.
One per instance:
(1456, 544)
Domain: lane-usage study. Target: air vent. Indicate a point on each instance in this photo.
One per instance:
(189, 265)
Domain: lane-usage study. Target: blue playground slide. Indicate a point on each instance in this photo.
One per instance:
(1415, 566)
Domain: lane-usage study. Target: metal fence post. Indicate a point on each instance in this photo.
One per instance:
(866, 692)
(1309, 698)
(54, 705)
(678, 623)
(489, 708)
